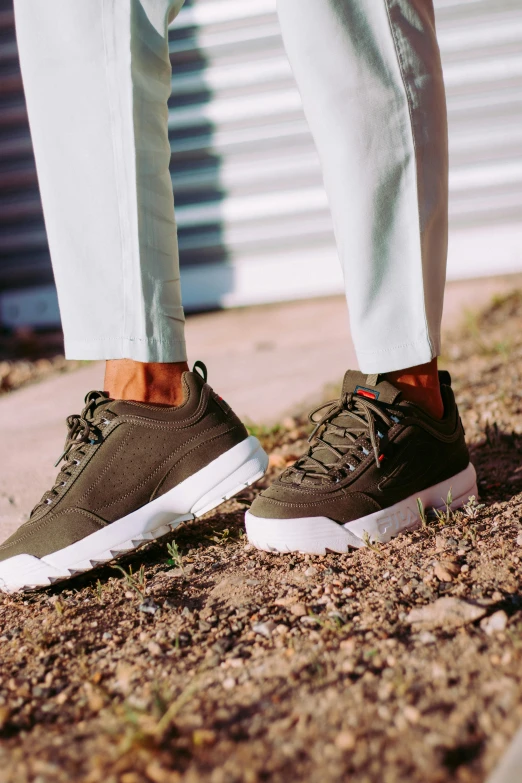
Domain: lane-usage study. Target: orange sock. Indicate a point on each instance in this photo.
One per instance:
(421, 386)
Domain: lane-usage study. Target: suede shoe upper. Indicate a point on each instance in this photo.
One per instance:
(369, 450)
(120, 455)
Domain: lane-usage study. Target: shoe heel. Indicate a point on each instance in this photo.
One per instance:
(245, 467)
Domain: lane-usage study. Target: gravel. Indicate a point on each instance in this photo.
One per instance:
(245, 666)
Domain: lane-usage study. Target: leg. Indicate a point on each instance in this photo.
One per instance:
(97, 79)
(372, 89)
(371, 83)
(130, 471)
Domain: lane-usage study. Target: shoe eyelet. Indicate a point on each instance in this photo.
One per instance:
(48, 501)
(76, 461)
(365, 451)
(63, 483)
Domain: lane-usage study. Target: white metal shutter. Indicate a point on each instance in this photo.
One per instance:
(252, 214)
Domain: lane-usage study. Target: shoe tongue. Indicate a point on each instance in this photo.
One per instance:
(373, 387)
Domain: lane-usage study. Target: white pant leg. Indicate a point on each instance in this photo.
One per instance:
(371, 82)
(97, 78)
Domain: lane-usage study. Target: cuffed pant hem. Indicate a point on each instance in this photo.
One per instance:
(398, 357)
(141, 349)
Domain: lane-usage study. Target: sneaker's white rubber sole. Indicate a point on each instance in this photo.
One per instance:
(227, 475)
(317, 535)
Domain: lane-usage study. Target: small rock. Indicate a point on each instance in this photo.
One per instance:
(265, 629)
(465, 568)
(229, 683)
(107, 635)
(203, 737)
(149, 606)
(184, 638)
(310, 571)
(174, 573)
(411, 713)
(299, 610)
(154, 649)
(223, 645)
(446, 570)
(495, 623)
(309, 621)
(519, 539)
(345, 740)
(447, 613)
(427, 638)
(253, 582)
(440, 543)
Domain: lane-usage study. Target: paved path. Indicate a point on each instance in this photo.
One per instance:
(265, 361)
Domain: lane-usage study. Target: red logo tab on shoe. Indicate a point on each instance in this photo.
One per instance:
(364, 392)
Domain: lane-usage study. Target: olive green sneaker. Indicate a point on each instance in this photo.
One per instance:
(372, 456)
(131, 472)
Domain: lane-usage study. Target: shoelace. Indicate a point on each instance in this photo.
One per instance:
(352, 419)
(82, 430)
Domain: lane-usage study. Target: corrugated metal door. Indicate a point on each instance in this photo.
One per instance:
(252, 214)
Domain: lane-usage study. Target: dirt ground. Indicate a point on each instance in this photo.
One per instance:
(210, 661)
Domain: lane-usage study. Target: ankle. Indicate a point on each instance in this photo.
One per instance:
(153, 382)
(421, 386)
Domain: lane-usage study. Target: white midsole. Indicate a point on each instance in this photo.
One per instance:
(315, 535)
(238, 467)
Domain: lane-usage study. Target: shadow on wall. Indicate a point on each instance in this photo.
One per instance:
(27, 293)
(206, 275)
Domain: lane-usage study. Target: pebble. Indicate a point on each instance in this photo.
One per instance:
(411, 713)
(446, 570)
(299, 610)
(447, 613)
(265, 629)
(173, 573)
(345, 740)
(309, 620)
(200, 737)
(229, 683)
(427, 638)
(496, 623)
(311, 571)
(149, 606)
(154, 649)
(519, 539)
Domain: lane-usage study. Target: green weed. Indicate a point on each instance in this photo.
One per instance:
(136, 582)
